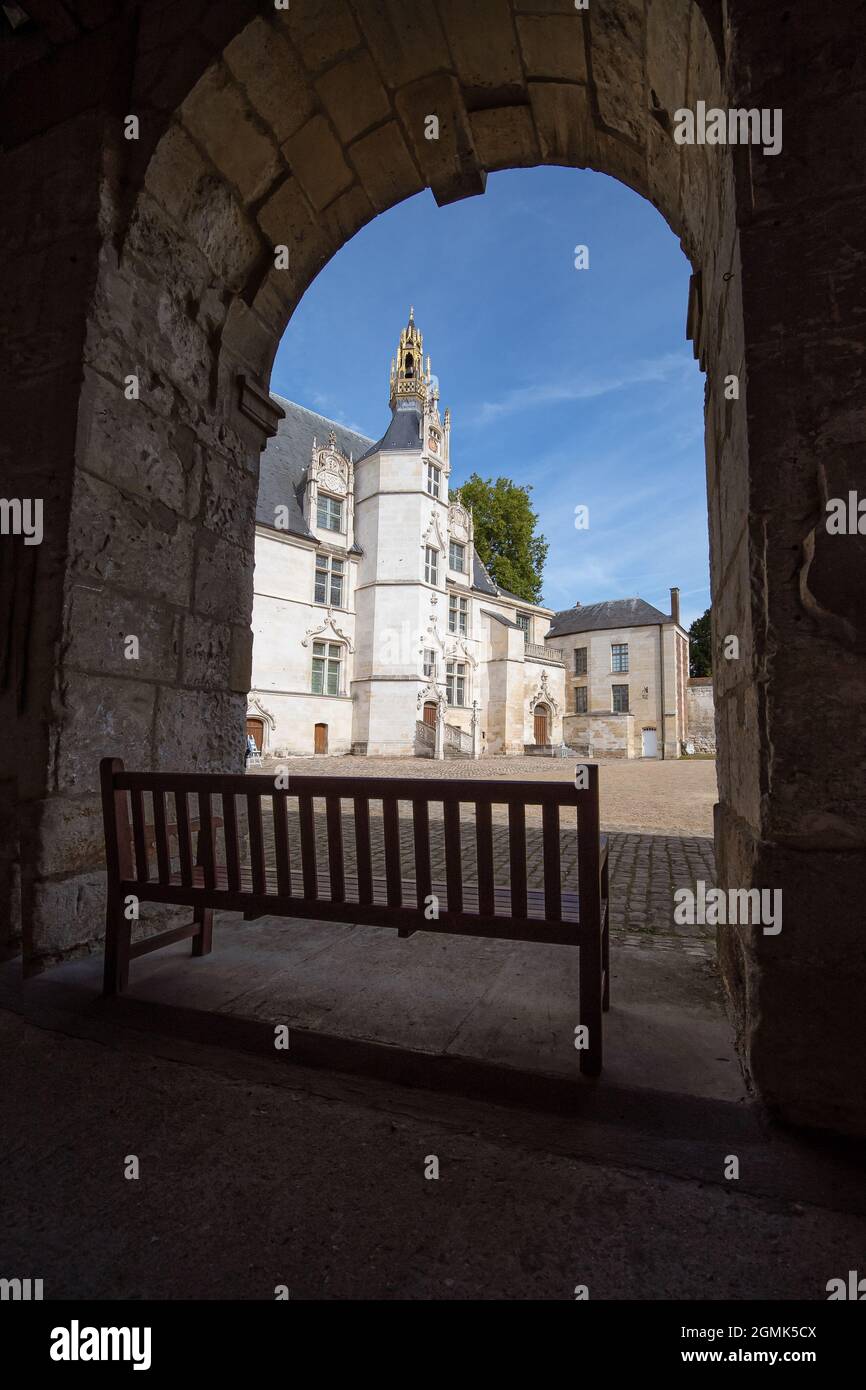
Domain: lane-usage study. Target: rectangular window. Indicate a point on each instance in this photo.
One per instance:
(329, 580)
(433, 479)
(455, 682)
(457, 557)
(580, 699)
(619, 656)
(458, 614)
(329, 513)
(327, 668)
(620, 699)
(523, 624)
(430, 665)
(431, 565)
(580, 661)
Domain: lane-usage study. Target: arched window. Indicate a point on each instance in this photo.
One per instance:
(410, 364)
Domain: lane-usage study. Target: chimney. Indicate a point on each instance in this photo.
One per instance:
(675, 606)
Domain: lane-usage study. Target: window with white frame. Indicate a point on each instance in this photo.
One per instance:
(458, 614)
(330, 576)
(329, 512)
(523, 624)
(431, 565)
(457, 557)
(619, 656)
(455, 682)
(429, 664)
(327, 668)
(619, 701)
(433, 479)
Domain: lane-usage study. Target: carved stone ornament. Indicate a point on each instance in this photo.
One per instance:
(329, 623)
(256, 710)
(544, 696)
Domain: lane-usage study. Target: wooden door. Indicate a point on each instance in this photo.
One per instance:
(541, 723)
(320, 744)
(430, 714)
(256, 727)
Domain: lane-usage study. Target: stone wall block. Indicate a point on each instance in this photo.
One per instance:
(505, 137)
(449, 164)
(406, 41)
(205, 653)
(285, 220)
(385, 167)
(99, 623)
(99, 716)
(563, 118)
(353, 95)
(484, 46)
(618, 48)
(123, 541)
(316, 159)
(321, 30)
(223, 579)
(198, 731)
(554, 45)
(218, 117)
(275, 84)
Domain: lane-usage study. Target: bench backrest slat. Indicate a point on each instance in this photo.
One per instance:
(308, 847)
(550, 842)
(517, 858)
(230, 830)
(363, 856)
(207, 848)
(184, 837)
(393, 870)
(421, 837)
(160, 834)
(282, 852)
(453, 855)
(484, 850)
(142, 867)
(257, 842)
(334, 821)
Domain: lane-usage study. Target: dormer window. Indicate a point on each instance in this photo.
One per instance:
(457, 557)
(433, 479)
(329, 512)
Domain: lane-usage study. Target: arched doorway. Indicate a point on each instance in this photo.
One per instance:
(256, 727)
(191, 256)
(541, 725)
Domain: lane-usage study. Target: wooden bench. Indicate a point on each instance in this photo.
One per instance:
(250, 863)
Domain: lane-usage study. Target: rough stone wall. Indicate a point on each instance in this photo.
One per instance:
(155, 257)
(701, 714)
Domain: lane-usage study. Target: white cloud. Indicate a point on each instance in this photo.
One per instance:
(582, 387)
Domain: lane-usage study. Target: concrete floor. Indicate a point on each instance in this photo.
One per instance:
(507, 1005)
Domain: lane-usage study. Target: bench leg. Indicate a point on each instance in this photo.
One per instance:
(590, 1001)
(118, 933)
(202, 942)
(605, 939)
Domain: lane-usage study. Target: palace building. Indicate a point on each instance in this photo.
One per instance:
(376, 628)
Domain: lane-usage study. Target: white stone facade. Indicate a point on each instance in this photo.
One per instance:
(376, 629)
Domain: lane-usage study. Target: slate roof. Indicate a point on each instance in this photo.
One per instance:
(618, 612)
(501, 618)
(286, 458)
(404, 432)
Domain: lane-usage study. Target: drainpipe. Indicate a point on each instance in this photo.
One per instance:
(662, 683)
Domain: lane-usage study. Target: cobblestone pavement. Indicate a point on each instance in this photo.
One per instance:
(645, 869)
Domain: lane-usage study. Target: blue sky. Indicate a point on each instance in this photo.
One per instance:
(580, 383)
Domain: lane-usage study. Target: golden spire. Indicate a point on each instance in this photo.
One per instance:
(408, 379)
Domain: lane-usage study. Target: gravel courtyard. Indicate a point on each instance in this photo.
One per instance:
(669, 798)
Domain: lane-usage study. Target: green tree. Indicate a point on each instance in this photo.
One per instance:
(505, 535)
(700, 647)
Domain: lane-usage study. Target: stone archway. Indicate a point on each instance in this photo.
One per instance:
(145, 306)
